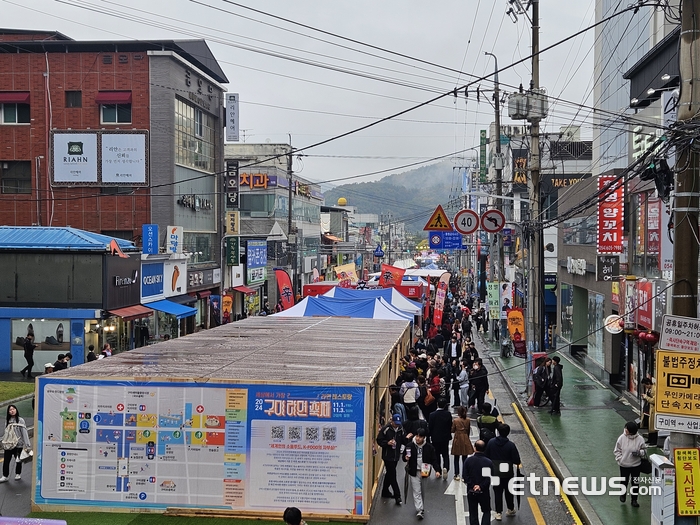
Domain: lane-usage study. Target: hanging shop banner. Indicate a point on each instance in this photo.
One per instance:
(645, 304)
(284, 284)
(629, 312)
(493, 298)
(482, 156)
(257, 448)
(232, 124)
(440, 293)
(687, 464)
(256, 261)
(391, 276)
(506, 299)
(610, 214)
(516, 328)
(653, 221)
(149, 234)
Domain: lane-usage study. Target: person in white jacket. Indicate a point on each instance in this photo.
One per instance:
(629, 451)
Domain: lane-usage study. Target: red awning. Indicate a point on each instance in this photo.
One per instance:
(203, 294)
(132, 312)
(113, 97)
(14, 97)
(245, 290)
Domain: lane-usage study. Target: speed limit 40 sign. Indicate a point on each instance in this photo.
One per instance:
(466, 222)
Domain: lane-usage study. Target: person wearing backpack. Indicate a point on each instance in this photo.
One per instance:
(14, 440)
(487, 423)
(505, 456)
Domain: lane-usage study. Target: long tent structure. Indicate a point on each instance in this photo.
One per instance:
(370, 308)
(390, 295)
(242, 420)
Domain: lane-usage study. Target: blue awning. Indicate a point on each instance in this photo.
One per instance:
(178, 310)
(550, 300)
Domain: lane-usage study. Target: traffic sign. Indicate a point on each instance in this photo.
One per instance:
(378, 252)
(466, 222)
(438, 221)
(493, 221)
(446, 241)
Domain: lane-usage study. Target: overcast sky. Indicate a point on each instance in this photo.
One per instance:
(281, 97)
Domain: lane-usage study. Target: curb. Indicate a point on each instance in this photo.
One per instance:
(583, 507)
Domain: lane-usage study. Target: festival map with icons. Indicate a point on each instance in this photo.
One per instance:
(159, 445)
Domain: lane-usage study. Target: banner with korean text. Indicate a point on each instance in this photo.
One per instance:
(610, 214)
(440, 293)
(284, 284)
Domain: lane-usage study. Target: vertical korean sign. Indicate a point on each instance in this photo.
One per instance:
(687, 465)
(610, 214)
(440, 294)
(231, 182)
(232, 117)
(482, 156)
(149, 233)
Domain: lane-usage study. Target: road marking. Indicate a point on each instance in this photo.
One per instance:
(546, 464)
(536, 512)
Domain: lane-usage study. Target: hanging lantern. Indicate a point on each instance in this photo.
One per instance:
(652, 337)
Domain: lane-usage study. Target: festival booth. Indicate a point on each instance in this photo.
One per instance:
(390, 295)
(243, 420)
(370, 308)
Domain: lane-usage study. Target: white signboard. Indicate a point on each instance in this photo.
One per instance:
(74, 157)
(124, 158)
(174, 239)
(174, 278)
(687, 425)
(680, 333)
(232, 117)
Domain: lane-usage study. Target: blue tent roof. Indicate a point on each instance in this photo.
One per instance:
(385, 293)
(56, 238)
(371, 308)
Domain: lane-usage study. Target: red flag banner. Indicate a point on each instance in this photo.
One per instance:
(440, 294)
(391, 276)
(284, 284)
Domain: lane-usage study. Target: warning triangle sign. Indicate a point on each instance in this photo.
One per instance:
(438, 221)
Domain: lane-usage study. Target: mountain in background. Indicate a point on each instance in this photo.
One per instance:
(409, 197)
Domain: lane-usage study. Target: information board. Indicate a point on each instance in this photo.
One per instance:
(680, 333)
(157, 445)
(678, 391)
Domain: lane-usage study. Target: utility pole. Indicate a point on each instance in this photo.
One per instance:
(685, 213)
(535, 288)
(291, 239)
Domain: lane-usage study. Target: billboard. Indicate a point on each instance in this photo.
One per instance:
(99, 158)
(153, 445)
(256, 262)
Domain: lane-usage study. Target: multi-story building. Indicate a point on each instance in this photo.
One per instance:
(107, 136)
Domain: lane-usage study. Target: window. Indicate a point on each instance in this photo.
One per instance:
(116, 113)
(195, 137)
(16, 176)
(14, 113)
(116, 190)
(198, 122)
(74, 99)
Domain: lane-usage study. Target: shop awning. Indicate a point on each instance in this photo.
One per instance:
(14, 97)
(113, 97)
(203, 294)
(245, 290)
(183, 299)
(132, 312)
(178, 310)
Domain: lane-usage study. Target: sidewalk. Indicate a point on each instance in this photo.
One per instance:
(580, 442)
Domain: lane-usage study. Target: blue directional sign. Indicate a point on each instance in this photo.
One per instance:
(446, 241)
(378, 252)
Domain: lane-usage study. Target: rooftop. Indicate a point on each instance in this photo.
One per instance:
(57, 238)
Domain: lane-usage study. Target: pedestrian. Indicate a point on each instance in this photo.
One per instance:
(48, 368)
(478, 484)
(540, 377)
(409, 391)
(461, 443)
(487, 423)
(29, 347)
(629, 451)
(91, 356)
(440, 427)
(463, 381)
(478, 383)
(292, 516)
(649, 407)
(15, 439)
(479, 319)
(391, 439)
(467, 326)
(555, 385)
(107, 349)
(505, 456)
(419, 457)
(60, 363)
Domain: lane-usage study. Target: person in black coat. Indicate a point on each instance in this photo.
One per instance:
(478, 485)
(440, 426)
(505, 457)
(418, 453)
(478, 383)
(555, 385)
(29, 347)
(391, 439)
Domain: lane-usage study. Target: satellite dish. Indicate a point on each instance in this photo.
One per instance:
(612, 324)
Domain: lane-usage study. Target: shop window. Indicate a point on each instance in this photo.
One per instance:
(14, 113)
(116, 113)
(74, 99)
(116, 190)
(16, 176)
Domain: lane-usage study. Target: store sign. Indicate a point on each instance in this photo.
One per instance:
(152, 281)
(607, 267)
(256, 262)
(121, 286)
(653, 222)
(174, 277)
(149, 234)
(232, 124)
(616, 293)
(231, 182)
(123, 159)
(681, 334)
(200, 278)
(576, 266)
(610, 214)
(482, 156)
(75, 157)
(174, 239)
(255, 181)
(232, 258)
(195, 202)
(645, 304)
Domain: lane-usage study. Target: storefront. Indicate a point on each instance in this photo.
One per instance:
(256, 275)
(201, 285)
(164, 290)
